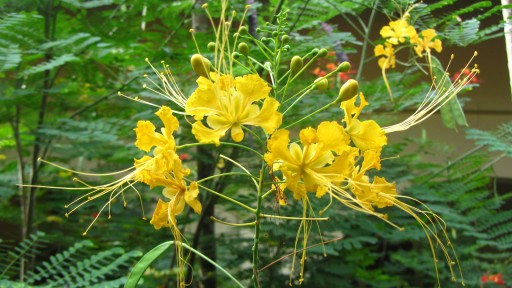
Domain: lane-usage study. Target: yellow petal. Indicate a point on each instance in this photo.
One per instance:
(160, 216)
(171, 123)
(146, 136)
(277, 146)
(308, 136)
(333, 137)
(342, 167)
(191, 197)
(371, 160)
(204, 100)
(252, 87)
(293, 183)
(237, 133)
(268, 118)
(383, 192)
(367, 135)
(321, 191)
(351, 110)
(206, 135)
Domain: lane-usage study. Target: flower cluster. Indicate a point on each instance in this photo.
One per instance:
(333, 158)
(164, 169)
(398, 33)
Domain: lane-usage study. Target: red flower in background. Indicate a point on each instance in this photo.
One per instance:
(464, 73)
(494, 278)
(184, 156)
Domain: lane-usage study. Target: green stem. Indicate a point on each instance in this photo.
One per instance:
(310, 115)
(224, 174)
(255, 260)
(365, 43)
(228, 198)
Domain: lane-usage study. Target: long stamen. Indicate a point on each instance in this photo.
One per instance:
(437, 96)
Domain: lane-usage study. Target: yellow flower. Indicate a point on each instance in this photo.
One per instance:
(427, 42)
(176, 190)
(367, 134)
(147, 137)
(229, 103)
(388, 61)
(397, 31)
(315, 166)
(380, 193)
(164, 143)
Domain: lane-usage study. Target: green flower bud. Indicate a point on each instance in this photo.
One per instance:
(200, 65)
(285, 39)
(343, 67)
(322, 52)
(296, 64)
(275, 34)
(211, 46)
(258, 30)
(243, 30)
(348, 90)
(286, 48)
(235, 35)
(321, 83)
(243, 48)
(314, 51)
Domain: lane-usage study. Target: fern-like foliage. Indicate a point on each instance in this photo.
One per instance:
(496, 141)
(11, 256)
(78, 266)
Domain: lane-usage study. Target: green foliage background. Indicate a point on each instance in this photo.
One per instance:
(63, 62)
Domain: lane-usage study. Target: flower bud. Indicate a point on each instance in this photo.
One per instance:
(200, 65)
(243, 48)
(211, 46)
(322, 52)
(296, 64)
(285, 39)
(321, 84)
(348, 90)
(235, 35)
(343, 67)
(286, 48)
(243, 30)
(275, 34)
(314, 51)
(235, 55)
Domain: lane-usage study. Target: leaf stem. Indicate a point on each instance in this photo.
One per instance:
(255, 260)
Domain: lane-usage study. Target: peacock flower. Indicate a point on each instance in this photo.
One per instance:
(386, 50)
(397, 31)
(426, 42)
(229, 103)
(164, 152)
(178, 194)
(366, 135)
(380, 193)
(325, 158)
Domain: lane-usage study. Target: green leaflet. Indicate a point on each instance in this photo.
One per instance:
(451, 113)
(154, 253)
